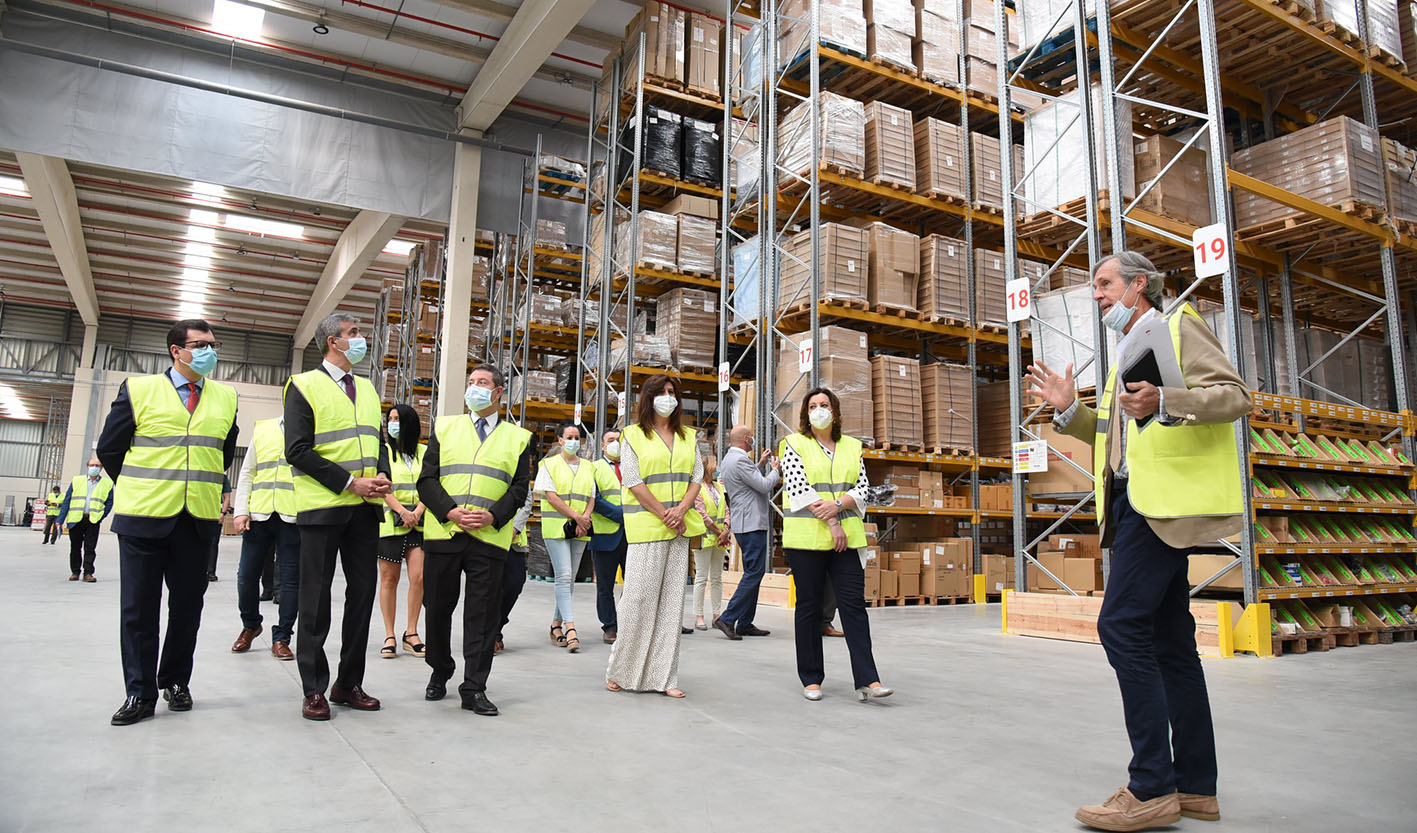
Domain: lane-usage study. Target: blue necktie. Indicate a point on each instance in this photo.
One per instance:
(481, 429)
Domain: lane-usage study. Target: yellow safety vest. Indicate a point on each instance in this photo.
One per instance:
(667, 474)
(51, 505)
(1174, 471)
(174, 461)
(576, 488)
(92, 505)
(405, 490)
(346, 434)
(831, 477)
(272, 482)
(476, 474)
(717, 510)
(607, 485)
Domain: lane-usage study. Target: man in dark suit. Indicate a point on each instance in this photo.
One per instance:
(340, 468)
(167, 441)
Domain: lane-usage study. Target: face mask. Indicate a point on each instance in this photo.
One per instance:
(571, 446)
(612, 449)
(1119, 315)
(664, 404)
(477, 398)
(821, 418)
(394, 430)
(203, 360)
(357, 348)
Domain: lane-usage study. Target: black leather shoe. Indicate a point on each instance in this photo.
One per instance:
(753, 630)
(479, 704)
(726, 629)
(437, 689)
(133, 710)
(265, 597)
(178, 697)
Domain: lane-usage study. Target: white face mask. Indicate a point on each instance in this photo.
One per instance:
(820, 417)
(571, 447)
(477, 397)
(664, 404)
(612, 449)
(1120, 313)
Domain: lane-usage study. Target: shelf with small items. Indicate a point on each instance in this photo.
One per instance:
(1336, 574)
(1324, 533)
(1311, 491)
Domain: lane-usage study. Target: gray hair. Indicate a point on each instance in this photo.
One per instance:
(1133, 264)
(329, 328)
(496, 376)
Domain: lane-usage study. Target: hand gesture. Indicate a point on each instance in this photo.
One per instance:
(1058, 391)
(723, 536)
(370, 487)
(673, 516)
(1141, 400)
(766, 456)
(480, 518)
(825, 510)
(838, 537)
(409, 519)
(241, 522)
(582, 526)
(462, 517)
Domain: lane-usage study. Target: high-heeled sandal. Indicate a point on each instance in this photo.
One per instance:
(558, 636)
(389, 651)
(675, 693)
(573, 643)
(416, 648)
(611, 685)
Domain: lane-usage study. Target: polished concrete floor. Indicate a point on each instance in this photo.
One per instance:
(986, 733)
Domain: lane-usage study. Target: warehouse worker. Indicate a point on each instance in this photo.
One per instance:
(514, 574)
(83, 514)
(749, 486)
(265, 517)
(341, 474)
(475, 477)
(607, 537)
(167, 441)
(51, 516)
(1159, 492)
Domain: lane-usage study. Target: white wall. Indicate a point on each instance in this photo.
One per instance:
(20, 488)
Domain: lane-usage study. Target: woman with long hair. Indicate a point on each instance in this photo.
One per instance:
(661, 474)
(712, 547)
(823, 498)
(566, 484)
(401, 530)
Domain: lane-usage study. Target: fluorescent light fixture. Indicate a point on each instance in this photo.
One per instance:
(14, 187)
(401, 248)
(265, 228)
(203, 226)
(237, 19)
(12, 405)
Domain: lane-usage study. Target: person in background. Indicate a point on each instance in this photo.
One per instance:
(265, 517)
(216, 545)
(607, 538)
(711, 548)
(82, 516)
(51, 516)
(566, 484)
(1159, 493)
(823, 534)
(748, 486)
(514, 577)
(663, 473)
(829, 610)
(401, 530)
(167, 440)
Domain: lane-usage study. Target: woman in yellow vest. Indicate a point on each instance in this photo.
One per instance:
(712, 547)
(661, 474)
(823, 501)
(566, 484)
(401, 529)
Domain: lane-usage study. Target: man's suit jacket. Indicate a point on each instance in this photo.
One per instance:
(300, 453)
(113, 444)
(749, 491)
(1215, 393)
(438, 503)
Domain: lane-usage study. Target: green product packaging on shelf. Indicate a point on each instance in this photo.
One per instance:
(1339, 570)
(1294, 572)
(1366, 490)
(1301, 532)
(1305, 619)
(1332, 451)
(1261, 444)
(1386, 611)
(1403, 569)
(1358, 451)
(1351, 529)
(1262, 534)
(1267, 576)
(1321, 573)
(1310, 450)
(1401, 458)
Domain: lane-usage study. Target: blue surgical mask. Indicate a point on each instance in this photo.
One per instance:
(1119, 315)
(95, 471)
(572, 446)
(357, 348)
(394, 430)
(477, 398)
(203, 360)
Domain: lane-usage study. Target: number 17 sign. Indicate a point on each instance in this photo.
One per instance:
(1211, 247)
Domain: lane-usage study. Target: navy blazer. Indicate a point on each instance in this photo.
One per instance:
(608, 541)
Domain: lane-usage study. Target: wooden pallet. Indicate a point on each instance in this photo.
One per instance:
(884, 182)
(1339, 33)
(1301, 643)
(950, 451)
(898, 447)
(1353, 637)
(899, 312)
(669, 83)
(946, 196)
(1382, 56)
(902, 601)
(954, 600)
(945, 319)
(1299, 11)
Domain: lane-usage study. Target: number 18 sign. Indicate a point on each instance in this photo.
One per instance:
(1211, 247)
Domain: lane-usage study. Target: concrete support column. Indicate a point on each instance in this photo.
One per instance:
(87, 408)
(457, 284)
(86, 352)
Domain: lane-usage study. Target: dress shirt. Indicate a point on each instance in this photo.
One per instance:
(179, 380)
(242, 501)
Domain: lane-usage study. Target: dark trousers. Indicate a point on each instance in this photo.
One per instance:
(744, 605)
(828, 603)
(51, 529)
(482, 567)
(810, 569)
(83, 536)
(258, 544)
(513, 580)
(270, 579)
(212, 556)
(353, 543)
(144, 565)
(1146, 626)
(606, 563)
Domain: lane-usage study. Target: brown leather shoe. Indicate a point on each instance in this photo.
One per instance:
(1124, 813)
(1203, 807)
(73, 576)
(90, 579)
(354, 697)
(281, 650)
(608, 637)
(315, 707)
(243, 640)
(828, 630)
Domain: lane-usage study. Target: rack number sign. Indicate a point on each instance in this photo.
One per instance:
(1211, 247)
(804, 356)
(620, 403)
(577, 417)
(1020, 300)
(722, 377)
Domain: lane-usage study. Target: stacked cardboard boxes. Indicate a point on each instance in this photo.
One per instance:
(664, 28)
(894, 266)
(939, 157)
(944, 279)
(845, 370)
(1182, 193)
(704, 64)
(895, 393)
(684, 317)
(843, 123)
(844, 258)
(658, 242)
(1055, 149)
(890, 33)
(998, 573)
(1407, 30)
(994, 420)
(947, 568)
(697, 245)
(551, 233)
(1332, 162)
(983, 61)
(947, 393)
(890, 146)
(840, 25)
(989, 280)
(1400, 169)
(1384, 29)
(936, 46)
(988, 182)
(1074, 559)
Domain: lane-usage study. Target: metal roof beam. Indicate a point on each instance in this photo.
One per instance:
(52, 194)
(535, 31)
(505, 12)
(361, 242)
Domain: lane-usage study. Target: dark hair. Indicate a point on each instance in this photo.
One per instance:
(644, 405)
(410, 430)
(561, 432)
(330, 327)
(496, 374)
(805, 426)
(177, 336)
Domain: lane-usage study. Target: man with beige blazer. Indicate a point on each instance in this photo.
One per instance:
(1161, 489)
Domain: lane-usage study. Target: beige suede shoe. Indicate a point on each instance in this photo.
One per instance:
(1123, 813)
(1203, 807)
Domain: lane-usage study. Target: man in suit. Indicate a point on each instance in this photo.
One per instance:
(475, 477)
(167, 441)
(340, 470)
(82, 516)
(607, 539)
(749, 486)
(1167, 476)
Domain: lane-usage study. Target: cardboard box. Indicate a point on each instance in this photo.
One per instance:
(989, 294)
(943, 283)
(890, 145)
(998, 573)
(910, 584)
(1331, 162)
(697, 243)
(890, 584)
(1082, 574)
(932, 490)
(894, 264)
(939, 157)
(1180, 195)
(705, 56)
(895, 394)
(843, 123)
(906, 562)
(1061, 478)
(935, 49)
(842, 266)
(681, 316)
(873, 556)
(1037, 579)
(1202, 567)
(947, 398)
(907, 497)
(665, 29)
(691, 204)
(873, 583)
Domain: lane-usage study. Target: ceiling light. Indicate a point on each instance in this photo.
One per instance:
(12, 405)
(399, 248)
(320, 28)
(265, 228)
(13, 187)
(237, 19)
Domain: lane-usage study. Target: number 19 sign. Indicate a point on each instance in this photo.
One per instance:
(1211, 247)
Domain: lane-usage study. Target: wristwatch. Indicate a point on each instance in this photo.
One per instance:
(838, 504)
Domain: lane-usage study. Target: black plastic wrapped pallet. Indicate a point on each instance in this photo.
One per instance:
(661, 144)
(702, 160)
(566, 382)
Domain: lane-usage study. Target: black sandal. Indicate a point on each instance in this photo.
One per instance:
(573, 643)
(418, 649)
(389, 651)
(558, 636)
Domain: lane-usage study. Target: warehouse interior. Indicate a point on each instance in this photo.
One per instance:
(901, 200)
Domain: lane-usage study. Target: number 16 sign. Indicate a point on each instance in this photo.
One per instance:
(1211, 247)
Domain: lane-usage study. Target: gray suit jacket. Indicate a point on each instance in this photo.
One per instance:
(749, 491)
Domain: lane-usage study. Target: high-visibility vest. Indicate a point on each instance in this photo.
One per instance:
(272, 482)
(81, 503)
(667, 474)
(405, 490)
(717, 510)
(576, 488)
(51, 505)
(476, 474)
(831, 477)
(1173, 471)
(607, 485)
(346, 434)
(174, 461)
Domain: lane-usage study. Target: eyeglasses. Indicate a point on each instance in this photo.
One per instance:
(196, 345)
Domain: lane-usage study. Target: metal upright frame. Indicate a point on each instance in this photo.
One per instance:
(517, 360)
(595, 153)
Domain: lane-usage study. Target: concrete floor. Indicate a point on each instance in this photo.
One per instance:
(986, 733)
